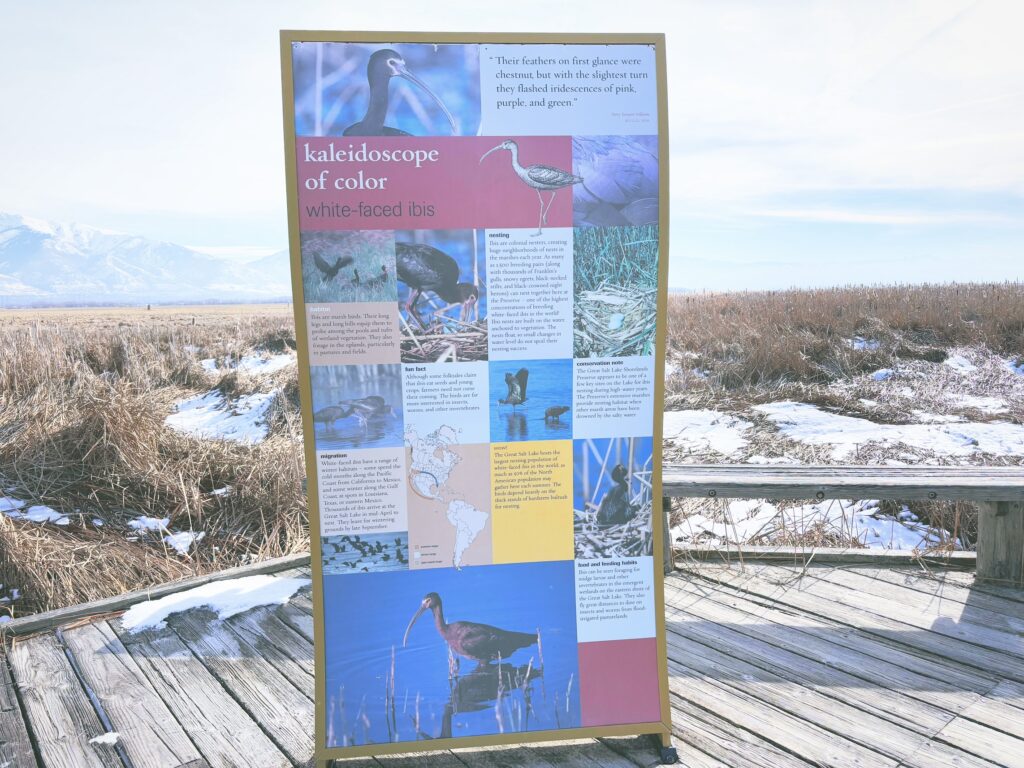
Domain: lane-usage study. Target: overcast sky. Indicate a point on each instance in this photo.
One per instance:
(812, 142)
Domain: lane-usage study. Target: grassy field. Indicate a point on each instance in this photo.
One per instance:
(85, 394)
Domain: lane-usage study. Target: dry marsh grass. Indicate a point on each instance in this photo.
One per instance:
(83, 398)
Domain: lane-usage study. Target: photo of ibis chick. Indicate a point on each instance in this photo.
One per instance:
(499, 655)
(357, 406)
(354, 266)
(612, 499)
(374, 89)
(364, 553)
(530, 400)
(615, 291)
(442, 301)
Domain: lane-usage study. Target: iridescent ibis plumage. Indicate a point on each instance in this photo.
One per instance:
(422, 268)
(328, 270)
(480, 642)
(516, 388)
(384, 65)
(542, 178)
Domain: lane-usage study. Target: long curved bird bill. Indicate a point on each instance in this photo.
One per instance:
(401, 70)
(492, 149)
(419, 612)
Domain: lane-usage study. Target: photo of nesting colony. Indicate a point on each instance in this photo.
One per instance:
(612, 500)
(442, 302)
(615, 304)
(348, 266)
(365, 553)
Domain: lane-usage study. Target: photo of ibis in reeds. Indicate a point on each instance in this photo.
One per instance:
(348, 266)
(442, 300)
(615, 289)
(444, 653)
(357, 406)
(612, 497)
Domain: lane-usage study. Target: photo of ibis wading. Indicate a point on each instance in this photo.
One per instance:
(442, 653)
(480, 229)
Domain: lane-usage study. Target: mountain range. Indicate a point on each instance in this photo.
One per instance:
(48, 263)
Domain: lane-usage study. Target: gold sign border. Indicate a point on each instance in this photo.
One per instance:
(662, 728)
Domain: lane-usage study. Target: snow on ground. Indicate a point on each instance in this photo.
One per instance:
(183, 541)
(762, 522)
(960, 363)
(254, 364)
(983, 403)
(146, 523)
(698, 431)
(225, 598)
(883, 374)
(110, 738)
(38, 513)
(211, 416)
(864, 345)
(809, 424)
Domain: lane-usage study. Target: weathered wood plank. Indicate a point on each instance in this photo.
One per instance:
(931, 680)
(41, 621)
(15, 746)
(297, 619)
(1001, 542)
(881, 558)
(285, 713)
(288, 651)
(828, 600)
(843, 482)
(223, 732)
(149, 734)
(858, 725)
(58, 710)
(968, 580)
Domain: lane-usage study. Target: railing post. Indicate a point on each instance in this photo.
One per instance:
(668, 555)
(1000, 545)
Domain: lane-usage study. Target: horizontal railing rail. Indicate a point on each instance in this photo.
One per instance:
(997, 491)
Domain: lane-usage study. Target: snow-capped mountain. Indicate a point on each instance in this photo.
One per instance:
(43, 262)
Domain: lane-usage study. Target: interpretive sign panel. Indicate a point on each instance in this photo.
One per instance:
(479, 256)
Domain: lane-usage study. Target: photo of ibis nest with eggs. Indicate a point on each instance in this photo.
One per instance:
(612, 499)
(348, 266)
(441, 295)
(615, 284)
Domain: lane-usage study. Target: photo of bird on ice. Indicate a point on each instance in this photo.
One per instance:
(612, 500)
(357, 406)
(348, 266)
(615, 291)
(380, 89)
(622, 179)
(530, 400)
(437, 653)
(442, 297)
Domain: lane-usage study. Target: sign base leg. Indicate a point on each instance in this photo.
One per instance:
(667, 753)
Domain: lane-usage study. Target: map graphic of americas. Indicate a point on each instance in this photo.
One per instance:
(433, 460)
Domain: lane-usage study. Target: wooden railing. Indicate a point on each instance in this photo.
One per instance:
(998, 492)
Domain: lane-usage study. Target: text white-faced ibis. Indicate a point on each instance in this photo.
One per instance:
(615, 508)
(329, 271)
(425, 268)
(480, 642)
(554, 412)
(384, 65)
(543, 178)
(516, 388)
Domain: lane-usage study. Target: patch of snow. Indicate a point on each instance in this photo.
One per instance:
(5, 618)
(883, 374)
(110, 739)
(700, 373)
(221, 491)
(809, 424)
(183, 541)
(861, 520)
(698, 431)
(960, 363)
(255, 364)
(9, 504)
(671, 369)
(1015, 366)
(38, 513)
(868, 403)
(927, 417)
(209, 365)
(864, 345)
(211, 416)
(225, 598)
(146, 523)
(983, 403)
(97, 522)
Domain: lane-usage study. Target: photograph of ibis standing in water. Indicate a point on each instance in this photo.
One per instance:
(531, 400)
(443, 306)
(357, 406)
(423, 655)
(612, 497)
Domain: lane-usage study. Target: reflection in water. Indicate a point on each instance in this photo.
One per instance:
(516, 426)
(482, 688)
(368, 403)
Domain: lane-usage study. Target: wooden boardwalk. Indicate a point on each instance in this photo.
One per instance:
(771, 666)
